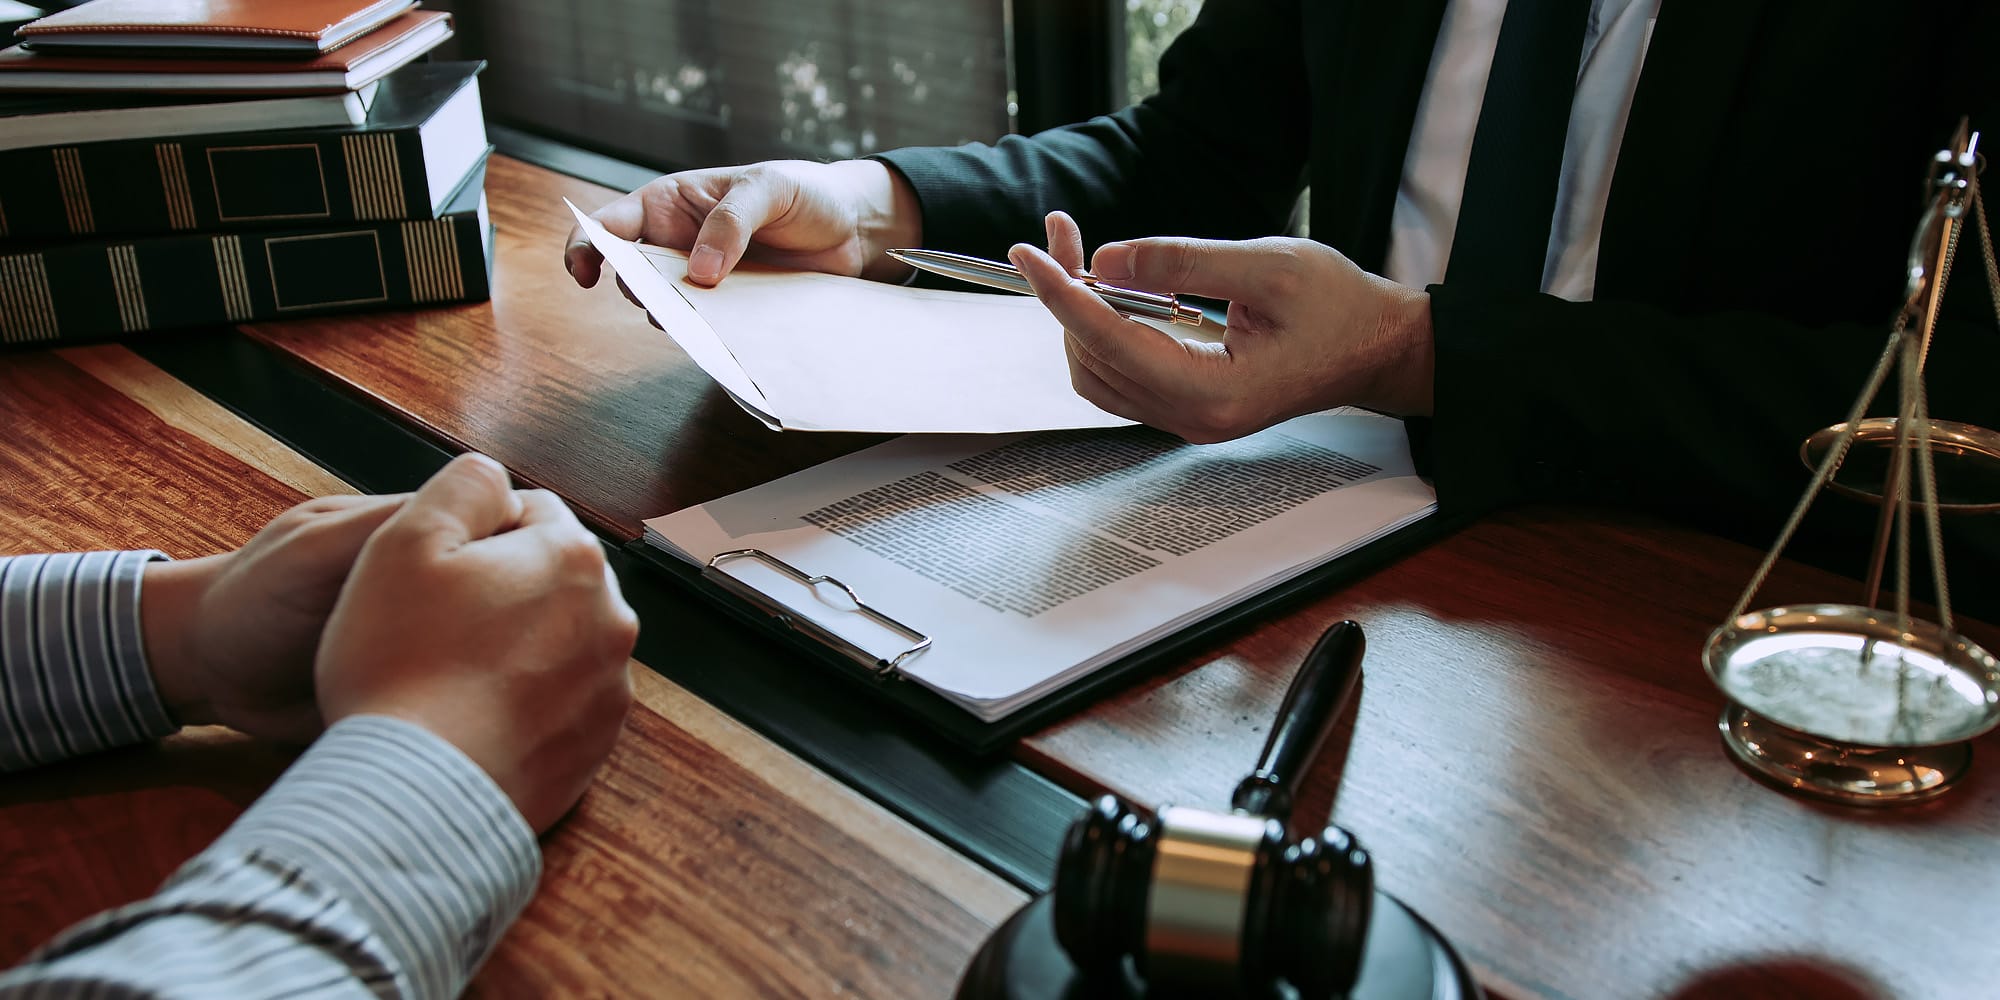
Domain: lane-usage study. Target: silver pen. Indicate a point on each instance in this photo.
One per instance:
(1007, 277)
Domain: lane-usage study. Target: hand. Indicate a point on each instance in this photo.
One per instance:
(832, 217)
(230, 638)
(489, 617)
(1307, 330)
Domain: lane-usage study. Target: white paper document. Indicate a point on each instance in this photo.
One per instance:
(1031, 560)
(819, 352)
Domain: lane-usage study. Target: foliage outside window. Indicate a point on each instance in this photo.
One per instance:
(1150, 25)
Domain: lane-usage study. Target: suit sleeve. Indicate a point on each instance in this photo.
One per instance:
(1219, 152)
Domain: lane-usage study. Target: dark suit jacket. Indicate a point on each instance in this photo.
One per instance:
(1753, 249)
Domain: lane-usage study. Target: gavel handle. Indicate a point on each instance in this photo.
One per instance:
(1317, 696)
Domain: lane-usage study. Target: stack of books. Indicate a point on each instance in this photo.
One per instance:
(166, 164)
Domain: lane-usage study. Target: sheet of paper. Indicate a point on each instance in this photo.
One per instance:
(679, 319)
(806, 351)
(1032, 559)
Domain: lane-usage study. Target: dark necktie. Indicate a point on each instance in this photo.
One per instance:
(1502, 239)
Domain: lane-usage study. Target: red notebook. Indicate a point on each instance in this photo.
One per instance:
(350, 67)
(296, 28)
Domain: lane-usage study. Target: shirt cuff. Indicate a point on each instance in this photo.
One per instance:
(409, 832)
(73, 672)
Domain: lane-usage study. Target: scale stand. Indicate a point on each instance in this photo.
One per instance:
(1852, 703)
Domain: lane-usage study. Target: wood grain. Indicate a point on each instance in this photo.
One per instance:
(685, 872)
(566, 387)
(140, 381)
(703, 861)
(1534, 763)
(1534, 759)
(86, 467)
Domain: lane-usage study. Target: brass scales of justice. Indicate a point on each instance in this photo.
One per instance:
(1854, 703)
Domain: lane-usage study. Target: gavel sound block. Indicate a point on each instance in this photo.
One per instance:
(1184, 902)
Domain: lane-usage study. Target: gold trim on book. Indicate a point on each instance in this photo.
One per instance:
(174, 184)
(75, 193)
(229, 273)
(374, 176)
(431, 251)
(124, 261)
(27, 310)
(380, 275)
(319, 167)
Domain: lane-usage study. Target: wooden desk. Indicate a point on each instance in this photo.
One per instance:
(704, 861)
(1533, 761)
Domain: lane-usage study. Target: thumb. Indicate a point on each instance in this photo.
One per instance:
(1221, 269)
(466, 500)
(751, 203)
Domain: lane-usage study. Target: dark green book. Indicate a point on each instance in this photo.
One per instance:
(423, 132)
(78, 290)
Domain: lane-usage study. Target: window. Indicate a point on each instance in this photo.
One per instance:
(1150, 25)
(686, 83)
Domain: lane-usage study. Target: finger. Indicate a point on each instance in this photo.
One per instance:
(627, 292)
(466, 500)
(334, 503)
(1133, 396)
(1136, 351)
(1255, 271)
(540, 507)
(751, 202)
(1065, 241)
(1099, 393)
(548, 544)
(624, 218)
(325, 548)
(580, 259)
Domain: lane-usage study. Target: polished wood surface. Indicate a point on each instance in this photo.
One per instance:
(571, 390)
(1534, 759)
(704, 861)
(1535, 764)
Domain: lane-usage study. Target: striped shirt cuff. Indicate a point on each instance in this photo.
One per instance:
(405, 829)
(73, 671)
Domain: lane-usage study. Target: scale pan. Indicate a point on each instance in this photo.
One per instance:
(1966, 457)
(1847, 674)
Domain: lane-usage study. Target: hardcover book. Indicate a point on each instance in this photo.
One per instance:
(31, 119)
(100, 288)
(284, 27)
(423, 134)
(350, 67)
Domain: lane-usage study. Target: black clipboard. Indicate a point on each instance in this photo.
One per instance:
(966, 730)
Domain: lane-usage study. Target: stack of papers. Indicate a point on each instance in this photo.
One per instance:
(1031, 560)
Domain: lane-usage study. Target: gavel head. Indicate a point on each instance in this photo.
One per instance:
(1211, 903)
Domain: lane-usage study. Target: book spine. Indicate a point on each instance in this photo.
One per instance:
(110, 288)
(248, 181)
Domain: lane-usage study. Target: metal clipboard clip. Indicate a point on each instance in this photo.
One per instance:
(799, 623)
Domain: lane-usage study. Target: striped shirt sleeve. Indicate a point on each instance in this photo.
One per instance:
(384, 863)
(73, 672)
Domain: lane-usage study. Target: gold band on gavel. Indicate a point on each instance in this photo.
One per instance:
(1201, 881)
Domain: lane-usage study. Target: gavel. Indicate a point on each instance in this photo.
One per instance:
(1182, 901)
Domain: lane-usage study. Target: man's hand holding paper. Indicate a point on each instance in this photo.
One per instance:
(831, 217)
